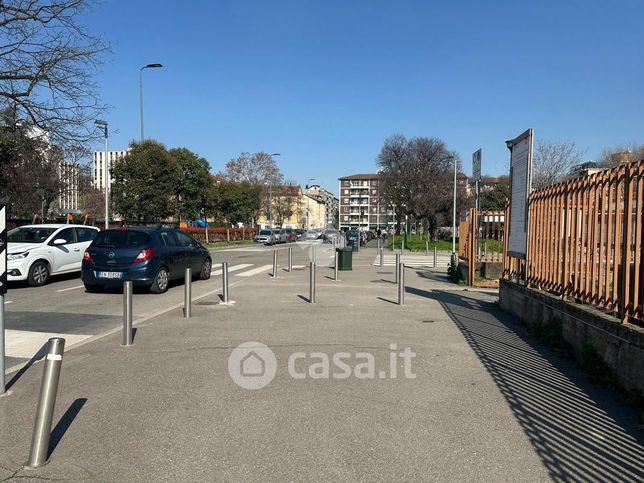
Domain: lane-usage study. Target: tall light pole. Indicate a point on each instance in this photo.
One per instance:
(106, 188)
(454, 216)
(147, 66)
(270, 197)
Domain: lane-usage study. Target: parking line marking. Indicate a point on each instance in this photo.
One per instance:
(234, 268)
(70, 288)
(255, 271)
(6, 302)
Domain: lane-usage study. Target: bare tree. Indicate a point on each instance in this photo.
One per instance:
(552, 162)
(286, 201)
(417, 178)
(621, 153)
(256, 169)
(47, 64)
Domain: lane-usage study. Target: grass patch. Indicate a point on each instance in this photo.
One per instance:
(226, 244)
(416, 243)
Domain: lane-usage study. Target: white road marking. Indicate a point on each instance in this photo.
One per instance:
(6, 302)
(255, 271)
(70, 288)
(234, 268)
(25, 344)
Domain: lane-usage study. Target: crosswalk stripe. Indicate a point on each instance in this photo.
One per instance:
(234, 268)
(255, 271)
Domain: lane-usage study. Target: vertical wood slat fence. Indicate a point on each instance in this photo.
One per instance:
(585, 240)
(481, 239)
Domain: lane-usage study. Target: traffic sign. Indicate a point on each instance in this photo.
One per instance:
(476, 166)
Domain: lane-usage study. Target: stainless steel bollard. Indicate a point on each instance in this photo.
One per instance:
(46, 402)
(397, 267)
(427, 248)
(312, 282)
(435, 258)
(290, 259)
(401, 284)
(336, 266)
(127, 313)
(402, 245)
(274, 263)
(382, 256)
(187, 294)
(224, 281)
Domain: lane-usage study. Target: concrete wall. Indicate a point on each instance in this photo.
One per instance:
(621, 346)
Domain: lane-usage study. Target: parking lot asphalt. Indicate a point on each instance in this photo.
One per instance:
(486, 403)
(63, 307)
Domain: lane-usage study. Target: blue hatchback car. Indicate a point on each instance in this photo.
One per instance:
(149, 257)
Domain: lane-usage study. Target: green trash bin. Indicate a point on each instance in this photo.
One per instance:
(354, 244)
(345, 258)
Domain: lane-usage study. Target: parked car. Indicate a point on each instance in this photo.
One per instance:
(331, 236)
(148, 257)
(265, 236)
(300, 233)
(312, 235)
(278, 235)
(291, 236)
(36, 252)
(353, 235)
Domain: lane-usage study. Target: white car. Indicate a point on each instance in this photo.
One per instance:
(34, 252)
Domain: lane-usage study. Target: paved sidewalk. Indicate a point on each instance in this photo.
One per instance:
(485, 404)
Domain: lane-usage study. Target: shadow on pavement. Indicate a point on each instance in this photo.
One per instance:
(64, 423)
(35, 358)
(577, 428)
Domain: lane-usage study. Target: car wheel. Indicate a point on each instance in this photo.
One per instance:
(206, 268)
(38, 274)
(91, 288)
(161, 281)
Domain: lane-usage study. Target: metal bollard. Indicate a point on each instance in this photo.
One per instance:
(274, 263)
(224, 281)
(435, 258)
(382, 256)
(336, 266)
(427, 248)
(127, 313)
(46, 402)
(401, 284)
(290, 259)
(402, 245)
(312, 282)
(187, 294)
(397, 267)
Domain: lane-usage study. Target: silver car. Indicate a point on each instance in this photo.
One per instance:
(265, 236)
(312, 235)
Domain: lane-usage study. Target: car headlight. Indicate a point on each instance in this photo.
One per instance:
(17, 256)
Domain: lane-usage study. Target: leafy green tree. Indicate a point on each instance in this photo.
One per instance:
(193, 184)
(145, 181)
(495, 198)
(235, 202)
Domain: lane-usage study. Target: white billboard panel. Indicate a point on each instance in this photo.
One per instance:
(520, 186)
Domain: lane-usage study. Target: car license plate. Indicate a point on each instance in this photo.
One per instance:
(111, 275)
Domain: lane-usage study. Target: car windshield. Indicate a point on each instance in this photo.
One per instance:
(121, 239)
(265, 232)
(29, 234)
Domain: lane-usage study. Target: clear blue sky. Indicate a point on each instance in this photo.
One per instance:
(325, 82)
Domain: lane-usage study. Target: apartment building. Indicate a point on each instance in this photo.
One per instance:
(360, 206)
(98, 160)
(328, 201)
(69, 175)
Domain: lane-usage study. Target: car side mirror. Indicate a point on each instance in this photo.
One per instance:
(60, 241)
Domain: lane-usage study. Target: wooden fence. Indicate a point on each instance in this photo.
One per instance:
(585, 240)
(481, 239)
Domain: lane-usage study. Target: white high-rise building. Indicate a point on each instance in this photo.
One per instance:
(97, 174)
(69, 174)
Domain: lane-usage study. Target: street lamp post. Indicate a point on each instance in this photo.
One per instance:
(106, 188)
(147, 66)
(454, 216)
